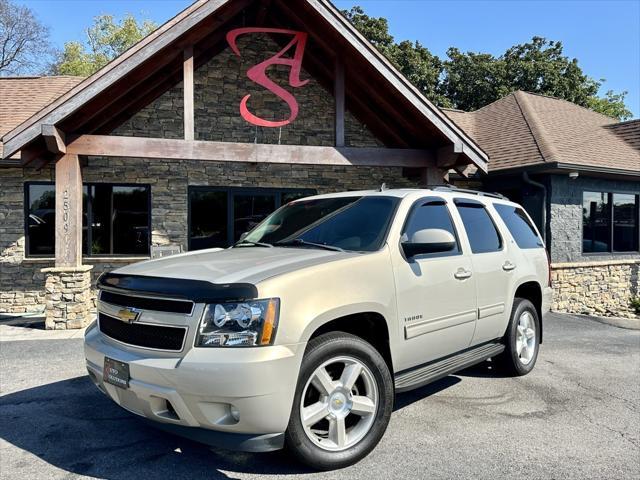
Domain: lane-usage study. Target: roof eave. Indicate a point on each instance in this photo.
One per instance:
(29, 130)
(457, 136)
(60, 109)
(553, 167)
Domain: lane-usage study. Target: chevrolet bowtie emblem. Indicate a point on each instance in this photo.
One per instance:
(128, 315)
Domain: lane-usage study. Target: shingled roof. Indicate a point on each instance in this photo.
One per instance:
(525, 130)
(22, 97)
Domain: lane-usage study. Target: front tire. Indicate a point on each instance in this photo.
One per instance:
(522, 339)
(343, 402)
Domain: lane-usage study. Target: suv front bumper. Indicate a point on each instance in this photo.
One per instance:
(194, 395)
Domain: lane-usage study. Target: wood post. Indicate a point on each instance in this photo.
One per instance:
(340, 102)
(188, 92)
(68, 212)
(433, 176)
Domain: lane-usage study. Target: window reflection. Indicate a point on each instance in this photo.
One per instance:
(115, 219)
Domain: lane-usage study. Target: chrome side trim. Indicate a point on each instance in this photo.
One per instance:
(434, 324)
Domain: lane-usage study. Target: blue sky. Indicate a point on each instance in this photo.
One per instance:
(603, 35)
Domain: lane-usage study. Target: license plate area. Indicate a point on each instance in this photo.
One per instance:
(116, 373)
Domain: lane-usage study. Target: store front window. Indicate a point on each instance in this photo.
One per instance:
(116, 219)
(219, 216)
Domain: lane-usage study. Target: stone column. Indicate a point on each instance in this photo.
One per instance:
(68, 297)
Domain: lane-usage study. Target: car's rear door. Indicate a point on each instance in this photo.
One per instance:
(435, 292)
(492, 267)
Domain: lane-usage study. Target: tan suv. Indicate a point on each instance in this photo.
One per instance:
(303, 332)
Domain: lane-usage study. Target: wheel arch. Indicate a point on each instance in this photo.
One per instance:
(371, 326)
(532, 291)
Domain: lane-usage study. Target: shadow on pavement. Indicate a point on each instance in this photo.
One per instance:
(72, 426)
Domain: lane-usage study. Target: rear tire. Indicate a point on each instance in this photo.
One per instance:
(522, 340)
(343, 402)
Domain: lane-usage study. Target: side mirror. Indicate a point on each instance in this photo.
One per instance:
(431, 240)
(243, 236)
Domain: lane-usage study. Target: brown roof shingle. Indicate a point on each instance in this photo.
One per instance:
(524, 129)
(22, 97)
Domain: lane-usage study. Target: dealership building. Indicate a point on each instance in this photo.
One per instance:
(235, 107)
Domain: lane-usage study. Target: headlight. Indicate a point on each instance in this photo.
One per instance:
(242, 324)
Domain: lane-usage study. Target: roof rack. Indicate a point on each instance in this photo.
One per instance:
(472, 192)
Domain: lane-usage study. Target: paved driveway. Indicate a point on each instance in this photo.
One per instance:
(576, 416)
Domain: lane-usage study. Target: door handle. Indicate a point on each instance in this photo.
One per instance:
(508, 266)
(463, 274)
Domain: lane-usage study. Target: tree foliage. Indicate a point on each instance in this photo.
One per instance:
(471, 80)
(24, 41)
(414, 60)
(106, 39)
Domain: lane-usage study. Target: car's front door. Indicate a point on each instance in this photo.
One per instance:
(436, 293)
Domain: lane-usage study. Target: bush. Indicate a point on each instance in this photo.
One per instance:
(635, 304)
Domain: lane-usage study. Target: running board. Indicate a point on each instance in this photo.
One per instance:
(433, 371)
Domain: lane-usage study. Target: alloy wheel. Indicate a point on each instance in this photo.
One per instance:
(339, 404)
(526, 338)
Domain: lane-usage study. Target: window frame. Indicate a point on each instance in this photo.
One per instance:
(27, 207)
(424, 201)
(460, 201)
(610, 211)
(231, 192)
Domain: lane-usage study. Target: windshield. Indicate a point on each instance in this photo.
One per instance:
(348, 223)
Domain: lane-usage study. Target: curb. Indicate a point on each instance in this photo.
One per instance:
(620, 322)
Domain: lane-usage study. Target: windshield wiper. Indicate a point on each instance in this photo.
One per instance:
(299, 242)
(249, 243)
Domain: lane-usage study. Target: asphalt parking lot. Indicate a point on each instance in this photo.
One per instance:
(576, 416)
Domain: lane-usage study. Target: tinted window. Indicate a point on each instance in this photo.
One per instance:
(625, 222)
(596, 222)
(115, 219)
(219, 216)
(208, 219)
(431, 215)
(249, 211)
(519, 225)
(351, 223)
(41, 219)
(480, 229)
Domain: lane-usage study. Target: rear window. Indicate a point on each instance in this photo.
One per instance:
(481, 231)
(521, 229)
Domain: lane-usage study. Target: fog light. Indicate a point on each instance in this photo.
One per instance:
(235, 413)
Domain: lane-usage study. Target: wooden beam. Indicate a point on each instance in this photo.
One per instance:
(54, 139)
(447, 156)
(162, 149)
(187, 89)
(151, 45)
(338, 92)
(68, 212)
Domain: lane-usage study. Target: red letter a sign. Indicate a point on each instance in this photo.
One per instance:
(258, 73)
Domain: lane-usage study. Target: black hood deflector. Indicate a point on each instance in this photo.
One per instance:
(198, 291)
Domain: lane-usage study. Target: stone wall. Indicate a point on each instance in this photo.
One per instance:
(221, 84)
(565, 216)
(22, 280)
(69, 299)
(602, 288)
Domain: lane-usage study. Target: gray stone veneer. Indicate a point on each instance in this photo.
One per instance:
(21, 279)
(565, 212)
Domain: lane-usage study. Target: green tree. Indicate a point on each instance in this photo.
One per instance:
(106, 39)
(413, 59)
(471, 80)
(611, 105)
